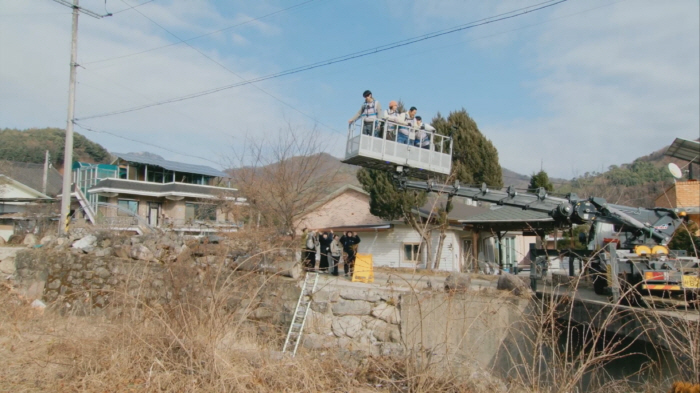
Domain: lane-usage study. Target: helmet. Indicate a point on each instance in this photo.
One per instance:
(366, 94)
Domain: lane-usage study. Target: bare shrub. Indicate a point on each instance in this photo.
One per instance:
(282, 178)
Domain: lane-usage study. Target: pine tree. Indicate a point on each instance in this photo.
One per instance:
(474, 158)
(474, 161)
(540, 179)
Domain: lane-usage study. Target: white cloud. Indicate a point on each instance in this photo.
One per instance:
(617, 84)
(34, 79)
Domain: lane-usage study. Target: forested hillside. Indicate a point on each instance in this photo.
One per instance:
(636, 184)
(30, 146)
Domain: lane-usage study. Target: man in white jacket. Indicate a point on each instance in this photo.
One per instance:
(393, 116)
(423, 134)
(368, 112)
(405, 132)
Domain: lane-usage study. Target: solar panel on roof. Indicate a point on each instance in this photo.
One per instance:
(172, 165)
(685, 150)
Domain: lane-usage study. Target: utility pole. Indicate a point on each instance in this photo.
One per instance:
(68, 150)
(46, 173)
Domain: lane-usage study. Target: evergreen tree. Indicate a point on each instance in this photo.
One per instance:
(386, 201)
(540, 180)
(474, 161)
(474, 158)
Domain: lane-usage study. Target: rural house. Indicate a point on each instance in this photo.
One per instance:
(396, 244)
(141, 192)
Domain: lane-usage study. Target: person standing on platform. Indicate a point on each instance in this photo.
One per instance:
(406, 131)
(369, 111)
(392, 116)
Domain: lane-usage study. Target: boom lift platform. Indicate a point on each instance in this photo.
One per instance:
(378, 147)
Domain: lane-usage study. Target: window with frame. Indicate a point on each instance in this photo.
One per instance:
(411, 252)
(200, 211)
(127, 205)
(509, 258)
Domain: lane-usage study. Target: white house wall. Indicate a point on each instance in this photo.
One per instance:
(387, 247)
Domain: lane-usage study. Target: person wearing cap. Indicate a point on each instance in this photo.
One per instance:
(423, 134)
(409, 121)
(392, 115)
(368, 112)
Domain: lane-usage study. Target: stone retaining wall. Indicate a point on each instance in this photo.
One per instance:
(71, 279)
(469, 326)
(354, 319)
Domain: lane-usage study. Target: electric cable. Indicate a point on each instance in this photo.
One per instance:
(233, 72)
(508, 15)
(86, 128)
(94, 73)
(131, 7)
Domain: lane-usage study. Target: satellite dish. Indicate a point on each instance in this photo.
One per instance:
(675, 170)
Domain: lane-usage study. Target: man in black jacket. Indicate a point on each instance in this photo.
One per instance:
(324, 241)
(349, 241)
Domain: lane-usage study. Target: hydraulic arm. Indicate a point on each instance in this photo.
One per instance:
(639, 225)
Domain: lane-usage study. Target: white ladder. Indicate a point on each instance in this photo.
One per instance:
(300, 313)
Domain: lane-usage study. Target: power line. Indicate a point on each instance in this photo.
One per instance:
(199, 36)
(368, 52)
(144, 97)
(142, 142)
(132, 7)
(231, 71)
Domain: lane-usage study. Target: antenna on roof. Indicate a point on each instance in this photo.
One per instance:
(675, 170)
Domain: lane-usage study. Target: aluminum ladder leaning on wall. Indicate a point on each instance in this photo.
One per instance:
(300, 312)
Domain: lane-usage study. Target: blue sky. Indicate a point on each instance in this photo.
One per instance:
(579, 86)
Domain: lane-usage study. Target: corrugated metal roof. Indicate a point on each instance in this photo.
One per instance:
(507, 214)
(460, 209)
(685, 150)
(172, 165)
(131, 185)
(31, 175)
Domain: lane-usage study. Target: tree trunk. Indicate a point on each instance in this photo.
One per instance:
(424, 232)
(443, 235)
(444, 224)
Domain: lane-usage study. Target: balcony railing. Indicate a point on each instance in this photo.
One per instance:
(385, 144)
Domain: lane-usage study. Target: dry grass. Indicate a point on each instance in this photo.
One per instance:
(204, 341)
(195, 343)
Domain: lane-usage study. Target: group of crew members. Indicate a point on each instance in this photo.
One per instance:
(405, 128)
(332, 249)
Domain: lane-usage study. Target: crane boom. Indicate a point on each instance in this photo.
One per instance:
(639, 225)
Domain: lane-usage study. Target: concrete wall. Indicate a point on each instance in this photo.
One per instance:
(452, 329)
(462, 328)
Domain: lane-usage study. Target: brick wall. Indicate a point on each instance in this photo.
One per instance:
(688, 193)
(347, 209)
(682, 194)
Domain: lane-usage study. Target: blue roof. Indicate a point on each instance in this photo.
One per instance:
(172, 165)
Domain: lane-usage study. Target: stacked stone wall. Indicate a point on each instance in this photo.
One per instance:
(355, 319)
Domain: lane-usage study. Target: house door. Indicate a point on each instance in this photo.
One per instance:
(153, 213)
